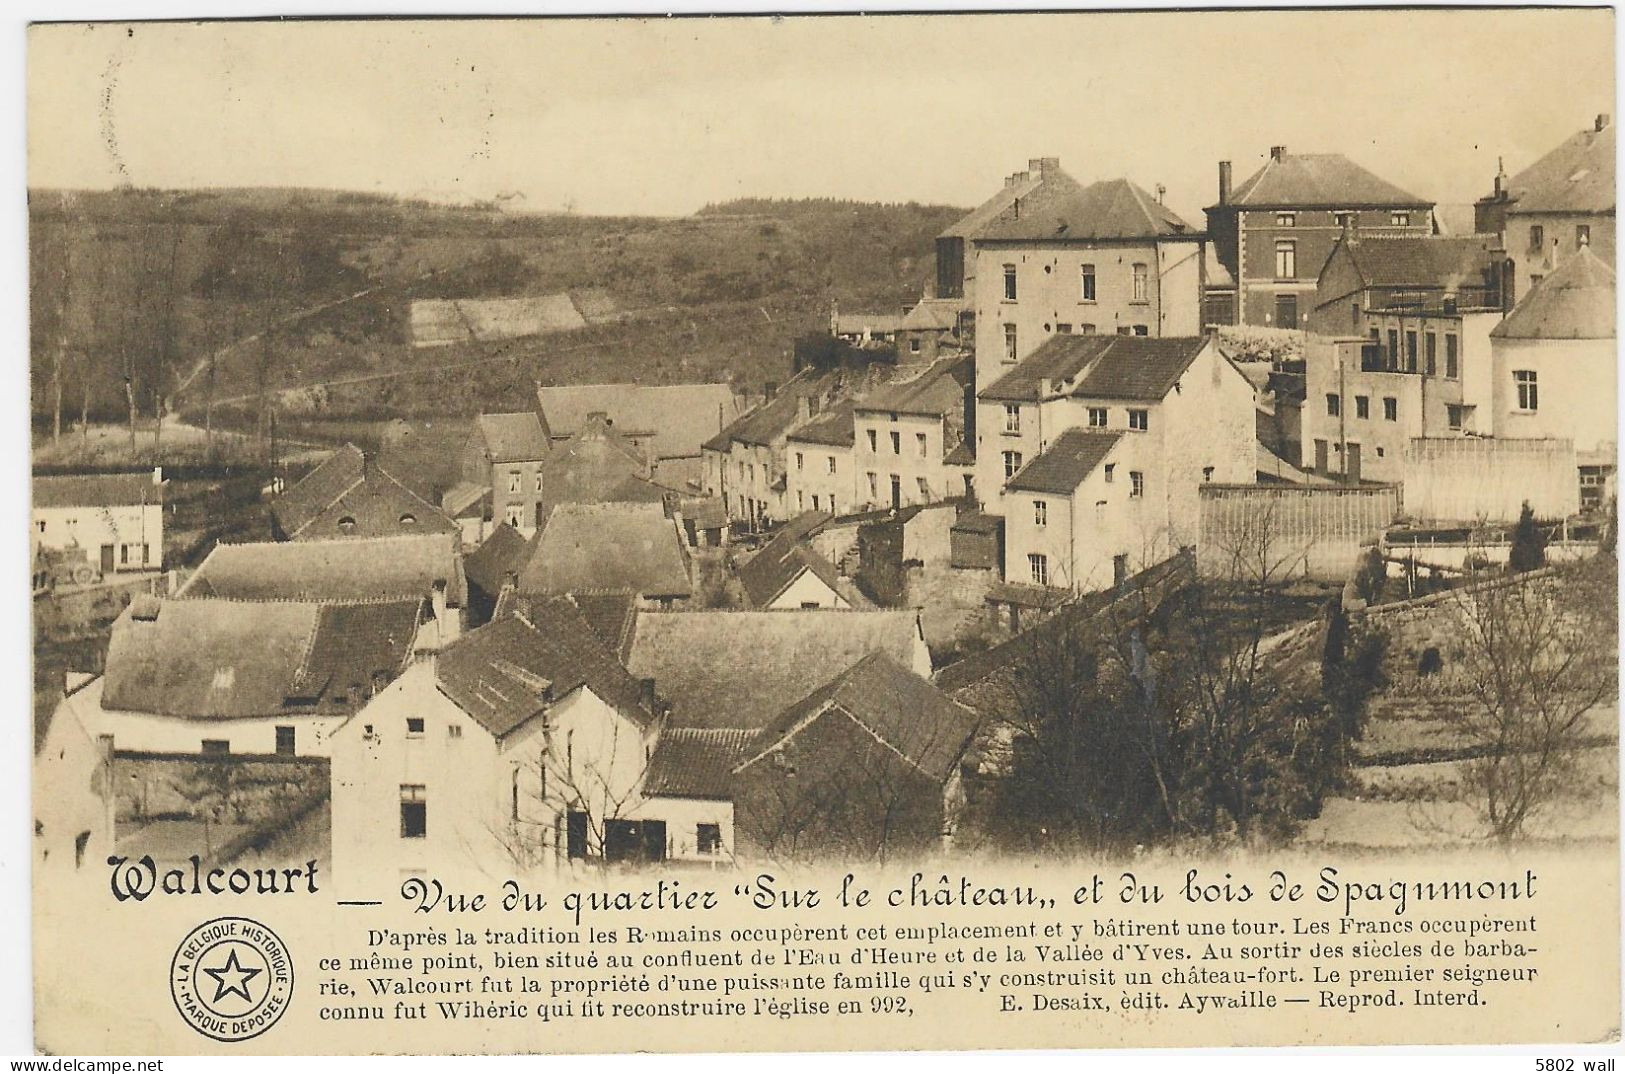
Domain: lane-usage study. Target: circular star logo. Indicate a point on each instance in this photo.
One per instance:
(231, 978)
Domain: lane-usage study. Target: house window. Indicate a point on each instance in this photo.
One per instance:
(1038, 566)
(1286, 219)
(1286, 260)
(832, 464)
(1456, 415)
(1110, 472)
(1452, 356)
(1086, 329)
(515, 515)
(1097, 417)
(1393, 348)
(1100, 510)
(801, 461)
(1012, 463)
(1141, 283)
(454, 730)
(914, 345)
(1390, 408)
(1399, 219)
(414, 727)
(284, 741)
(1009, 283)
(414, 811)
(708, 838)
(919, 443)
(1139, 419)
(1334, 405)
(1345, 219)
(1087, 279)
(1431, 367)
(1207, 473)
(216, 746)
(1012, 418)
(1582, 234)
(925, 489)
(124, 555)
(1592, 483)
(513, 480)
(513, 793)
(538, 481)
(1062, 328)
(1136, 484)
(874, 488)
(873, 441)
(1040, 513)
(1142, 330)
(896, 443)
(1537, 237)
(1362, 406)
(1528, 389)
(1009, 342)
(1410, 351)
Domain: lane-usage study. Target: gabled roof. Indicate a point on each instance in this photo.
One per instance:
(504, 551)
(375, 568)
(678, 416)
(350, 486)
(857, 324)
(517, 437)
(776, 415)
(832, 428)
(1575, 302)
(1432, 262)
(507, 672)
(97, 490)
(225, 659)
(696, 762)
(1061, 210)
(741, 669)
(607, 547)
(1142, 368)
(1576, 177)
(1062, 466)
(784, 559)
(611, 616)
(934, 315)
(596, 465)
(964, 454)
(939, 390)
(1020, 185)
(1317, 180)
(917, 721)
(465, 500)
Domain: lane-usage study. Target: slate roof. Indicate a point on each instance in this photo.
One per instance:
(1062, 466)
(741, 669)
(1421, 262)
(970, 225)
(1575, 302)
(1140, 368)
(934, 315)
(503, 551)
(1318, 180)
(596, 465)
(964, 454)
(505, 673)
(679, 416)
(1575, 177)
(97, 490)
(783, 559)
(226, 659)
(939, 390)
(696, 762)
(706, 512)
(1061, 209)
(376, 568)
(611, 616)
(517, 437)
(347, 485)
(465, 500)
(905, 712)
(775, 416)
(832, 428)
(607, 547)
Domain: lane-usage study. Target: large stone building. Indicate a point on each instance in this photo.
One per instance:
(1274, 232)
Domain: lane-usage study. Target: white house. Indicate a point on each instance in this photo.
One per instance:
(1098, 446)
(787, 574)
(117, 519)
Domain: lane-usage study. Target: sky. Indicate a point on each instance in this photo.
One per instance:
(662, 116)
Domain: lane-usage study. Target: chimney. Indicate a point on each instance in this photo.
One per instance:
(1277, 152)
(1603, 119)
(770, 388)
(366, 464)
(646, 693)
(1500, 177)
(803, 407)
(1162, 192)
(1224, 182)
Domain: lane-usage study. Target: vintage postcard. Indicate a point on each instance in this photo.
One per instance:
(824, 532)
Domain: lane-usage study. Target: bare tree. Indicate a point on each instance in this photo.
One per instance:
(1538, 653)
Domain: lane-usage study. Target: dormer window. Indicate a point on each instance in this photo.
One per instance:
(347, 524)
(409, 519)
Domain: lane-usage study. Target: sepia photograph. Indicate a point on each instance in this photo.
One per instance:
(741, 533)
